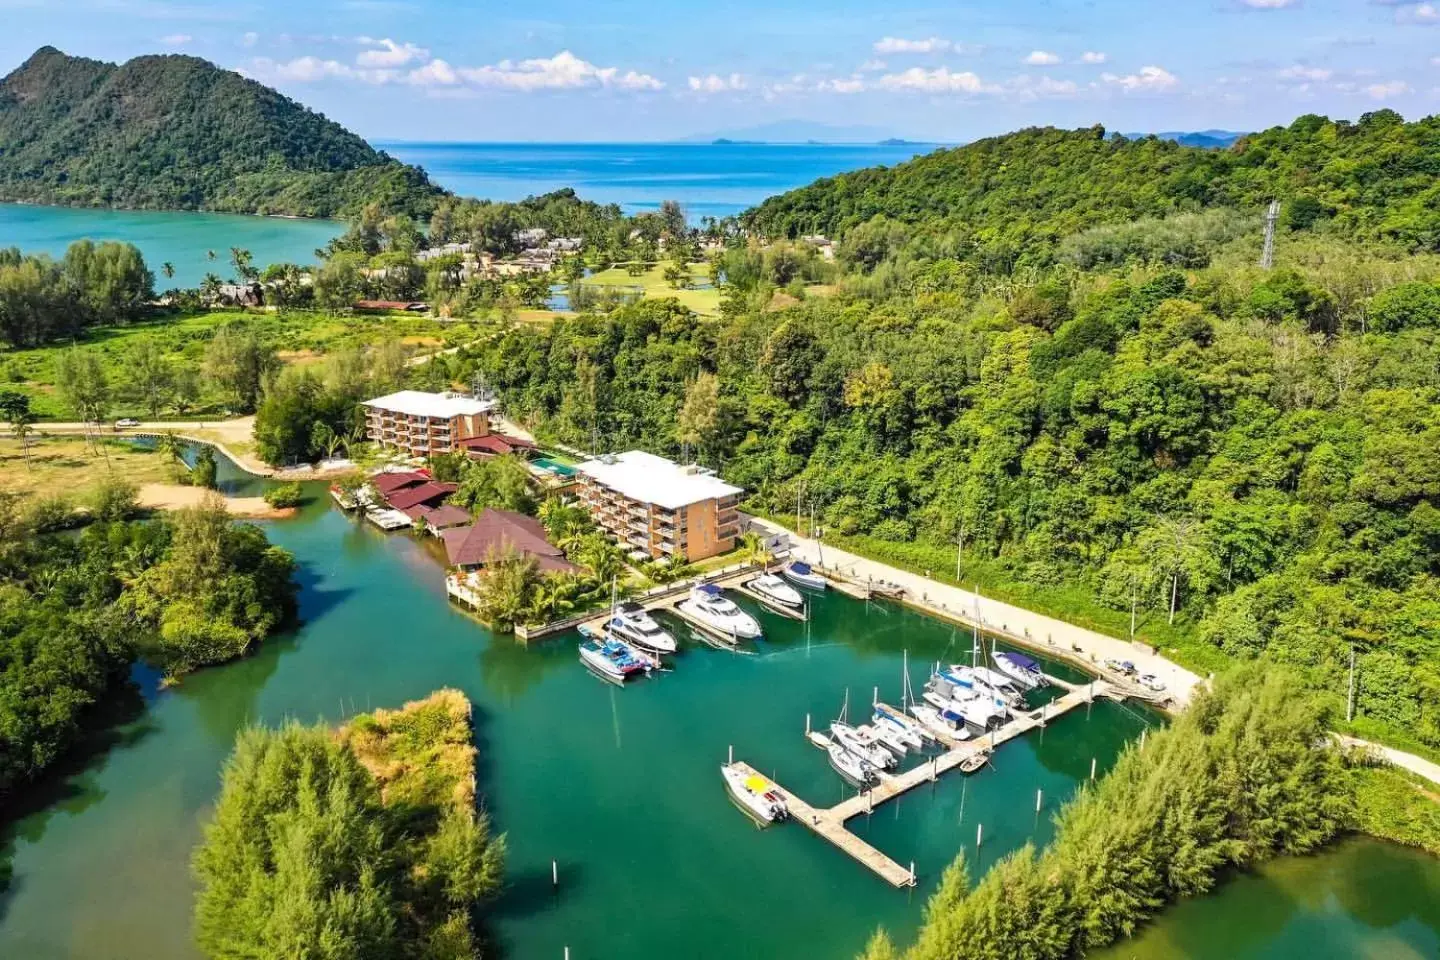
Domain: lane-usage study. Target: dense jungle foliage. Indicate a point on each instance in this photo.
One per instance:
(1242, 775)
(1246, 456)
(77, 611)
(364, 843)
(1006, 201)
(43, 300)
(178, 133)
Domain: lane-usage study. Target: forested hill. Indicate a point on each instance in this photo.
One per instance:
(176, 132)
(1018, 194)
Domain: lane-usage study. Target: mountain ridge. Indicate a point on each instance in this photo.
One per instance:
(170, 131)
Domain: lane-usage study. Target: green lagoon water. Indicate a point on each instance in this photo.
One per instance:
(619, 786)
(181, 238)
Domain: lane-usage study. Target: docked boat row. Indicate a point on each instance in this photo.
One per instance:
(708, 604)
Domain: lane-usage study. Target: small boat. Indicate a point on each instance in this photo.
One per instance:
(613, 659)
(775, 590)
(861, 745)
(941, 723)
(757, 796)
(712, 608)
(909, 732)
(630, 622)
(797, 571)
(858, 771)
(974, 762)
(1020, 668)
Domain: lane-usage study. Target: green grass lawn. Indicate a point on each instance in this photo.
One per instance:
(653, 284)
(299, 338)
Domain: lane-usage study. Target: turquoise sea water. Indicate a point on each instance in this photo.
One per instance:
(708, 179)
(183, 239)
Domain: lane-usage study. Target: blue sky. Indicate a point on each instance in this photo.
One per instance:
(624, 70)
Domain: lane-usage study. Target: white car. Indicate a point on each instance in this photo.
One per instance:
(127, 422)
(1121, 666)
(1152, 682)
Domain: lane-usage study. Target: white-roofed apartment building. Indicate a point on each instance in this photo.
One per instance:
(659, 507)
(425, 424)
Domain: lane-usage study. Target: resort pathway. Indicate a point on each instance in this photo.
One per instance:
(1407, 761)
(1024, 625)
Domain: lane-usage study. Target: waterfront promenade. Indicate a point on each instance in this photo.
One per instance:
(956, 603)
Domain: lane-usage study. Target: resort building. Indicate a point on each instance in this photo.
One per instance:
(661, 508)
(425, 424)
(501, 533)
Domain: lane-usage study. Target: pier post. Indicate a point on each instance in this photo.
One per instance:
(874, 696)
(933, 763)
(1142, 737)
(1038, 795)
(807, 725)
(979, 833)
(1092, 768)
(555, 873)
(912, 873)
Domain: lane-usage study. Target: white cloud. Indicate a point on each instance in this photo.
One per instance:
(249, 39)
(1031, 88)
(1042, 58)
(714, 83)
(176, 39)
(301, 69)
(390, 54)
(841, 85)
(1269, 4)
(1149, 79)
(436, 73)
(560, 72)
(893, 45)
(1302, 72)
(939, 80)
(1093, 56)
(875, 66)
(1425, 13)
(1393, 88)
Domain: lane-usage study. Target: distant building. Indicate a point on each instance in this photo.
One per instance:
(377, 306)
(425, 424)
(661, 508)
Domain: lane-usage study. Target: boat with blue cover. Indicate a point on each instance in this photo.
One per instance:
(611, 658)
(1020, 668)
(797, 571)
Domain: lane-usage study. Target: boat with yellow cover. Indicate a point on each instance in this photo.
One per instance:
(758, 797)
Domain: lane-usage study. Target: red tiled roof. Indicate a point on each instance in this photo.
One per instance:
(499, 531)
(418, 511)
(388, 305)
(388, 483)
(447, 515)
(496, 443)
(429, 493)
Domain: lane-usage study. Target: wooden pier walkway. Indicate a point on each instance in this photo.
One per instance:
(829, 822)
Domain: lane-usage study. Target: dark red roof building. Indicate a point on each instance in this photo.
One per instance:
(429, 494)
(388, 483)
(495, 445)
(446, 516)
(500, 532)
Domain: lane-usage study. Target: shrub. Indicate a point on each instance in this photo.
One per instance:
(115, 499)
(50, 513)
(285, 495)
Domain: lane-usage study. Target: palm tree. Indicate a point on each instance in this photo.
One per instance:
(168, 445)
(22, 425)
(752, 548)
(168, 269)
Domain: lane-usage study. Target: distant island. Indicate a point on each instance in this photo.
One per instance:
(179, 133)
(1205, 139)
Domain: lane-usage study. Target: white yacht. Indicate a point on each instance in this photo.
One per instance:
(912, 734)
(631, 622)
(712, 608)
(963, 686)
(797, 571)
(973, 710)
(890, 737)
(941, 723)
(1020, 668)
(856, 770)
(862, 746)
(987, 681)
(775, 590)
(757, 796)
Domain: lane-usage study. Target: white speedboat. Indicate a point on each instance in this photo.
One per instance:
(614, 659)
(631, 622)
(941, 723)
(910, 733)
(1020, 668)
(757, 796)
(775, 590)
(797, 571)
(861, 745)
(856, 770)
(712, 608)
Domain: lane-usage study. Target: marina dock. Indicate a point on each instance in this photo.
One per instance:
(829, 822)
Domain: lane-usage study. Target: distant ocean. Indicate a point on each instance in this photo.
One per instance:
(708, 179)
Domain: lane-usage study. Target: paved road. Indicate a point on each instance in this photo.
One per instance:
(1039, 629)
